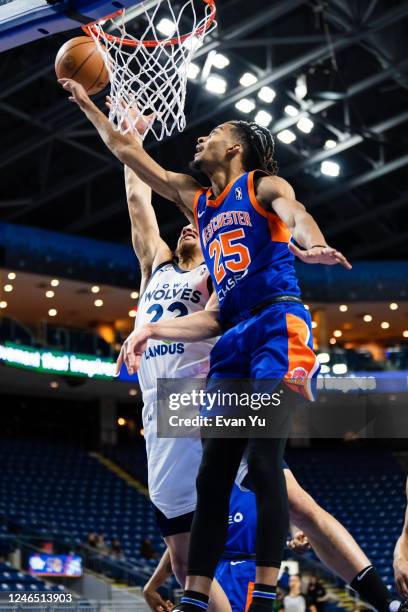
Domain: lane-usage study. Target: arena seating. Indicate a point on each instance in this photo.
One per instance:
(62, 491)
(13, 580)
(364, 489)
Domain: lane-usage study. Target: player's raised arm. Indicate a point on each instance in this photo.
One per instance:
(179, 188)
(276, 194)
(191, 328)
(401, 557)
(148, 245)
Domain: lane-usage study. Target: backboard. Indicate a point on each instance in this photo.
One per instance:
(22, 21)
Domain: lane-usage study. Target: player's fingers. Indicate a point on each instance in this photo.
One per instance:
(404, 586)
(119, 362)
(295, 250)
(342, 260)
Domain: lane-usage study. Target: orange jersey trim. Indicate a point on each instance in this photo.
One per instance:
(278, 230)
(219, 200)
(195, 204)
(300, 356)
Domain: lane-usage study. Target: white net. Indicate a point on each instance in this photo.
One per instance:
(148, 74)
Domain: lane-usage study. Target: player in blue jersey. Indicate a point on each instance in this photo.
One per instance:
(249, 221)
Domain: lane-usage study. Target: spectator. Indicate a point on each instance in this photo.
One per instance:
(116, 550)
(316, 595)
(147, 551)
(91, 540)
(283, 582)
(294, 601)
(100, 544)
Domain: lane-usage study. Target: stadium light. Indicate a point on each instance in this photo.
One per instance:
(132, 313)
(98, 303)
(332, 340)
(286, 136)
(248, 79)
(385, 325)
(132, 392)
(323, 357)
(134, 295)
(404, 333)
(330, 168)
(11, 275)
(339, 368)
(3, 304)
(291, 110)
(343, 308)
(55, 282)
(301, 87)
(49, 294)
(393, 306)
(305, 125)
(166, 27)
(330, 144)
(52, 312)
(367, 318)
(193, 71)
(324, 369)
(337, 333)
(220, 61)
(267, 94)
(8, 288)
(314, 324)
(216, 84)
(263, 118)
(245, 105)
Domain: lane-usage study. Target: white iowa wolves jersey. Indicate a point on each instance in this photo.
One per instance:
(172, 462)
(172, 292)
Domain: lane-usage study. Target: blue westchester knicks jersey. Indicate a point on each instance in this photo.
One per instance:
(245, 248)
(241, 523)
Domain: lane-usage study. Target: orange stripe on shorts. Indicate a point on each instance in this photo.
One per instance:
(249, 595)
(301, 358)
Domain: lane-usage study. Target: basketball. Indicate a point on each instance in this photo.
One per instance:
(80, 59)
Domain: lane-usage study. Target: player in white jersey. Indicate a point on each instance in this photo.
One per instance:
(172, 291)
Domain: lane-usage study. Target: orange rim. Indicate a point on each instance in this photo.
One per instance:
(91, 29)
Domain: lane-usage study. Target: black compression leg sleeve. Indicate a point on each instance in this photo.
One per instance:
(265, 457)
(218, 469)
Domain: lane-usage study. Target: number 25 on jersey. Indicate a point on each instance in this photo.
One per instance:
(228, 254)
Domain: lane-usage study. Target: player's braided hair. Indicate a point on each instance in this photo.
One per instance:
(258, 144)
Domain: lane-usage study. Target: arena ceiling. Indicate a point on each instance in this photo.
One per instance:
(56, 174)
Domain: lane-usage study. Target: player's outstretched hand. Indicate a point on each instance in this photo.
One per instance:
(320, 255)
(155, 602)
(77, 91)
(299, 543)
(133, 122)
(401, 576)
(132, 351)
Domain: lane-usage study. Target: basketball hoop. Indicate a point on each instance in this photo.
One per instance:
(149, 74)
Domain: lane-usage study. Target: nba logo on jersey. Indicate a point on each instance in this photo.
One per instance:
(238, 193)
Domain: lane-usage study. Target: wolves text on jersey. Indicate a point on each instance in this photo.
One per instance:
(180, 291)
